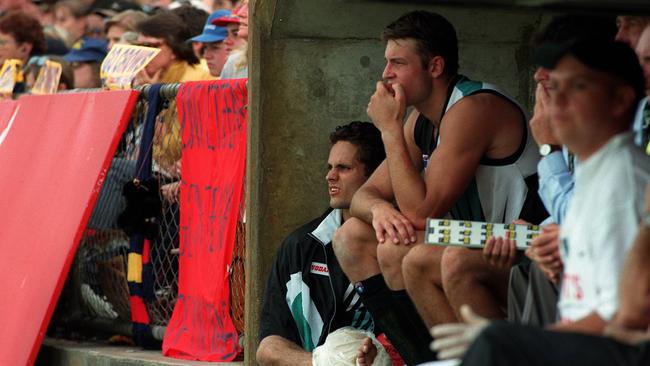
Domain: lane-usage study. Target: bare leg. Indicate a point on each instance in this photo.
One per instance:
(367, 353)
(468, 279)
(423, 280)
(355, 247)
(390, 257)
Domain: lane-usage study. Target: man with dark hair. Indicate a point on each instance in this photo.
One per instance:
(630, 28)
(307, 295)
(478, 161)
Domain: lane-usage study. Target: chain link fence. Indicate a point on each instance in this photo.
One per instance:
(97, 289)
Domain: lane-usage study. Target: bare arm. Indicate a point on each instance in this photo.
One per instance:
(467, 134)
(634, 292)
(376, 191)
(278, 351)
(591, 324)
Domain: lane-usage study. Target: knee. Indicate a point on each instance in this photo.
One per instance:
(420, 264)
(348, 244)
(390, 258)
(264, 354)
(455, 266)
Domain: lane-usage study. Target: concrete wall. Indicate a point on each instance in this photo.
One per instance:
(314, 64)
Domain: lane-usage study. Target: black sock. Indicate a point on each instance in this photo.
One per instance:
(419, 330)
(389, 315)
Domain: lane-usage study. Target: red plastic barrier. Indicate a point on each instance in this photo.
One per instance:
(54, 153)
(213, 122)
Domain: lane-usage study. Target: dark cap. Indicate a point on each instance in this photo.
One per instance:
(614, 58)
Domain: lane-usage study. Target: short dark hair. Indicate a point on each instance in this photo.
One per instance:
(434, 35)
(173, 30)
(564, 28)
(24, 29)
(194, 18)
(367, 137)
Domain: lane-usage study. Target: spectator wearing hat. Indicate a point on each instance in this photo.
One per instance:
(237, 64)
(21, 37)
(594, 88)
(86, 57)
(70, 16)
(214, 48)
(121, 23)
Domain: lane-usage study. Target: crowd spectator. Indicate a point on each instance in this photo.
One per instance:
(21, 37)
(194, 18)
(121, 23)
(86, 58)
(237, 64)
(213, 45)
(71, 18)
(630, 28)
(176, 61)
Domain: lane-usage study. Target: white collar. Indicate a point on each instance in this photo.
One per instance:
(325, 231)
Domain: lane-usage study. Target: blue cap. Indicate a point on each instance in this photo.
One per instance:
(87, 50)
(212, 33)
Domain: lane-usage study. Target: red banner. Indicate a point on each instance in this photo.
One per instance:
(54, 153)
(213, 123)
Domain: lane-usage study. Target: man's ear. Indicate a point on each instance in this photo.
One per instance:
(625, 99)
(436, 66)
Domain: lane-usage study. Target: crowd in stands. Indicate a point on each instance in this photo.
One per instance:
(359, 282)
(196, 38)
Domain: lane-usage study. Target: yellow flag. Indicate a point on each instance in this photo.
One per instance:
(48, 78)
(10, 74)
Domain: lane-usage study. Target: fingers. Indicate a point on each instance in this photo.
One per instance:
(512, 251)
(545, 238)
(551, 228)
(380, 234)
(450, 353)
(447, 330)
(397, 229)
(520, 222)
(450, 340)
(470, 317)
(489, 248)
(399, 91)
